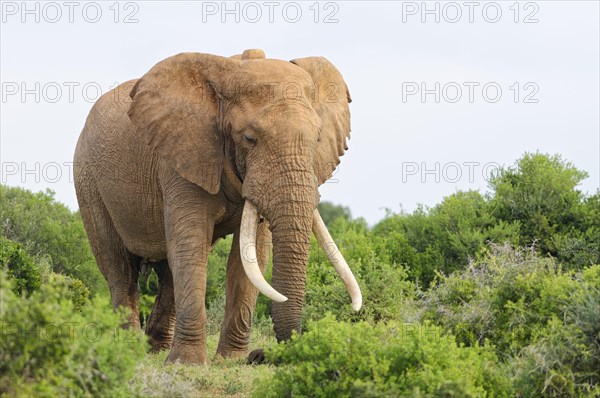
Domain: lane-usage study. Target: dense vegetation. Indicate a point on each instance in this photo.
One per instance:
(494, 294)
(51, 233)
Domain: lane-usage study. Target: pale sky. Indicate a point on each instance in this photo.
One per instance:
(508, 79)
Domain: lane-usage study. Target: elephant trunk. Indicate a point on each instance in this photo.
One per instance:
(289, 202)
(291, 225)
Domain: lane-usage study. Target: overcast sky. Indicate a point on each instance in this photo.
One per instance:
(508, 79)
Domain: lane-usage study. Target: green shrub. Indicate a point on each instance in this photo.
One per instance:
(74, 289)
(49, 347)
(577, 249)
(540, 193)
(334, 358)
(443, 238)
(47, 228)
(26, 274)
(20, 266)
(217, 269)
(506, 297)
(148, 289)
(385, 287)
(537, 202)
(565, 357)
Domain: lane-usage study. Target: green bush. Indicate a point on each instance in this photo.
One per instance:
(579, 248)
(20, 266)
(74, 289)
(505, 298)
(47, 228)
(541, 195)
(537, 202)
(50, 347)
(334, 358)
(26, 274)
(217, 269)
(544, 322)
(385, 287)
(565, 356)
(148, 289)
(443, 238)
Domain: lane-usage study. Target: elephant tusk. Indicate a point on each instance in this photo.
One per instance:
(248, 229)
(338, 261)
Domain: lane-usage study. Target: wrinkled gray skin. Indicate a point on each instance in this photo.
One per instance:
(149, 176)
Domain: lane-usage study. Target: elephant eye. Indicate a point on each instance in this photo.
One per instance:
(249, 138)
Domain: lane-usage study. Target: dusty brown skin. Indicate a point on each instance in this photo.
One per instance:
(151, 187)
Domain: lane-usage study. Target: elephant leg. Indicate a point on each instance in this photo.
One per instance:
(119, 267)
(189, 224)
(241, 296)
(162, 318)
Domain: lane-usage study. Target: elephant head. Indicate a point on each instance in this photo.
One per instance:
(281, 126)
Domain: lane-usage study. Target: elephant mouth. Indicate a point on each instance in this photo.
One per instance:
(248, 228)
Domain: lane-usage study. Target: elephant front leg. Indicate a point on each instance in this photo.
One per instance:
(241, 296)
(188, 245)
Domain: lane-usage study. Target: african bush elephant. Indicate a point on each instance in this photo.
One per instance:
(200, 147)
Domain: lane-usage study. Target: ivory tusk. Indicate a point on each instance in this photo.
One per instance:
(248, 228)
(338, 261)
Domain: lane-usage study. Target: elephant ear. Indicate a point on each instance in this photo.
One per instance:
(176, 107)
(331, 104)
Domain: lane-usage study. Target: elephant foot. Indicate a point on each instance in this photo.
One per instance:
(158, 346)
(256, 357)
(160, 342)
(187, 354)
